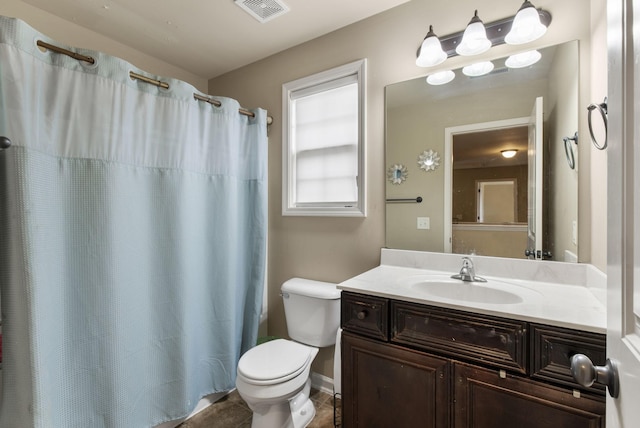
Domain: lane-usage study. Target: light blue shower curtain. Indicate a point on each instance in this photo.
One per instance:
(132, 240)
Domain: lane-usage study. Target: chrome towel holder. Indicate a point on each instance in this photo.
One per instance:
(416, 200)
(568, 149)
(602, 108)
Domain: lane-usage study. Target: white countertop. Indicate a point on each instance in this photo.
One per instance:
(576, 306)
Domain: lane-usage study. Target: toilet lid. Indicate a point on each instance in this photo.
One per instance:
(274, 361)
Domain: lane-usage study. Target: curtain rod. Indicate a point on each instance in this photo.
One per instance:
(140, 77)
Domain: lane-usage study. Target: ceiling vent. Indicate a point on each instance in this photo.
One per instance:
(263, 10)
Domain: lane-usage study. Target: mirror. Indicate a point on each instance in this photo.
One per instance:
(470, 122)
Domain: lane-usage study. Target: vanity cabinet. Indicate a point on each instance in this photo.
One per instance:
(413, 365)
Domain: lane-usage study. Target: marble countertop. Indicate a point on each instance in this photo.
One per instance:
(576, 306)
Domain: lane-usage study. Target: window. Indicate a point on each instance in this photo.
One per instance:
(323, 143)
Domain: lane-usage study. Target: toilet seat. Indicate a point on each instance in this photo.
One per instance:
(274, 362)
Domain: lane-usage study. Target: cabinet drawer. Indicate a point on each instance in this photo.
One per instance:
(488, 340)
(366, 315)
(553, 348)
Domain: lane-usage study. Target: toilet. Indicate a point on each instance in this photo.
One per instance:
(274, 378)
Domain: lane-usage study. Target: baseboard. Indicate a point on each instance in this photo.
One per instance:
(322, 383)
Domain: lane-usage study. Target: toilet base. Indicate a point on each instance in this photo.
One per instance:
(296, 412)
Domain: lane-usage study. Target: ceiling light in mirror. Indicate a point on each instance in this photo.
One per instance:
(508, 154)
(430, 53)
(441, 77)
(523, 59)
(526, 26)
(474, 40)
(478, 69)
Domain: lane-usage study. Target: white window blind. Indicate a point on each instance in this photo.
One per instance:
(324, 145)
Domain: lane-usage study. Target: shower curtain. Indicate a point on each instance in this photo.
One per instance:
(132, 240)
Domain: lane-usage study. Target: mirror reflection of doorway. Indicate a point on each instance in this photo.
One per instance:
(489, 190)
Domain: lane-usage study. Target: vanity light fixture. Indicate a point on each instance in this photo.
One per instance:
(526, 26)
(430, 52)
(441, 77)
(471, 40)
(478, 69)
(508, 154)
(474, 39)
(524, 59)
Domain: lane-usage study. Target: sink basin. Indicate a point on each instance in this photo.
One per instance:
(490, 292)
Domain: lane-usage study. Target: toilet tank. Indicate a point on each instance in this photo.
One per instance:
(312, 311)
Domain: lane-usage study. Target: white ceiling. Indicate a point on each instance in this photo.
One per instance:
(210, 37)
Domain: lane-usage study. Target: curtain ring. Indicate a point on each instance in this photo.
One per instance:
(568, 150)
(603, 112)
(5, 143)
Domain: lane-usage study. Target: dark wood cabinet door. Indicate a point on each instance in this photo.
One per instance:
(388, 386)
(484, 399)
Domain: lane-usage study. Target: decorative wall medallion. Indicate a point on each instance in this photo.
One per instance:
(397, 173)
(429, 160)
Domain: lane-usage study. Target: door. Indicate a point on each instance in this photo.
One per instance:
(623, 216)
(497, 201)
(535, 185)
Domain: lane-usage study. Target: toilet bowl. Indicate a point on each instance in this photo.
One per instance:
(274, 378)
(274, 381)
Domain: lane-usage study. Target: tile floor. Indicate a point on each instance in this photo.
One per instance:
(232, 412)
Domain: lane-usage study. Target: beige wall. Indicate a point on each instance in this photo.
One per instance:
(496, 243)
(334, 249)
(594, 205)
(76, 36)
(562, 122)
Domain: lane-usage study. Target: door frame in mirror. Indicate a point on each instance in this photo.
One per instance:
(449, 133)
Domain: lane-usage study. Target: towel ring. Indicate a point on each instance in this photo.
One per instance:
(5, 143)
(568, 150)
(602, 108)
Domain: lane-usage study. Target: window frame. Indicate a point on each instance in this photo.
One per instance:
(320, 80)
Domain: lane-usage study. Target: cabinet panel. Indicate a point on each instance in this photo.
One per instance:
(387, 386)
(488, 340)
(553, 348)
(483, 399)
(366, 315)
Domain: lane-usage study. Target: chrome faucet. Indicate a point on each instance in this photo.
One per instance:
(468, 272)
